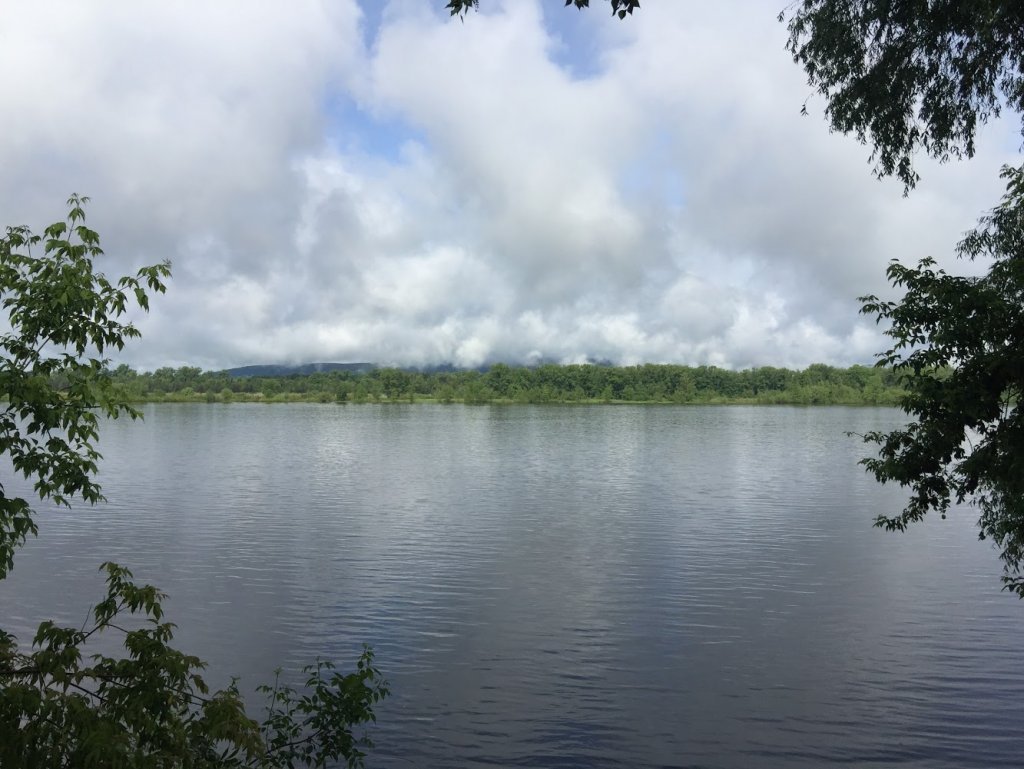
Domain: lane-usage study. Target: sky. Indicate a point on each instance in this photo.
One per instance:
(374, 181)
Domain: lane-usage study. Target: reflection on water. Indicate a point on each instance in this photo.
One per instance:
(561, 586)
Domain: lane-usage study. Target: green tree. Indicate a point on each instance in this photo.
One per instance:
(59, 705)
(393, 382)
(921, 76)
(62, 315)
(909, 76)
(959, 350)
(499, 379)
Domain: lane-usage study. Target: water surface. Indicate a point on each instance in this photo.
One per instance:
(561, 586)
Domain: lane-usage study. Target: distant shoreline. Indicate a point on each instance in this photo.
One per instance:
(515, 404)
(654, 384)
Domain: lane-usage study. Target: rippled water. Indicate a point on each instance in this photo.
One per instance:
(561, 586)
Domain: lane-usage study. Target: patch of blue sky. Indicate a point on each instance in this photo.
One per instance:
(580, 38)
(1013, 141)
(353, 129)
(372, 18)
(651, 176)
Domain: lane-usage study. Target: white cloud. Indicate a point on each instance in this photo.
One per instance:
(482, 193)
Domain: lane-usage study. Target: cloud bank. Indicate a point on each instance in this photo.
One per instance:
(382, 183)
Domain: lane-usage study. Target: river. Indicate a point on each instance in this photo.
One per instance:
(601, 586)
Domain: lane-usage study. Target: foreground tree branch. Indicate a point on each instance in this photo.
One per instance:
(959, 350)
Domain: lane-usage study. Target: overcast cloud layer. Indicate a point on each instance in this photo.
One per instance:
(337, 183)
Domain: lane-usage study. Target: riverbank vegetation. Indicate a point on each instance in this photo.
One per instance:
(816, 385)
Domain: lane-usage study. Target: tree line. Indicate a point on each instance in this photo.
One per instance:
(818, 384)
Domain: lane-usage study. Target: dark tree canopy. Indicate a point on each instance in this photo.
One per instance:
(909, 75)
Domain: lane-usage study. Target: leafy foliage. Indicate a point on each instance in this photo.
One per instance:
(62, 707)
(152, 708)
(620, 8)
(904, 76)
(959, 351)
(910, 76)
(63, 315)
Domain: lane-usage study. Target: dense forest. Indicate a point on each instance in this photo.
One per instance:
(816, 385)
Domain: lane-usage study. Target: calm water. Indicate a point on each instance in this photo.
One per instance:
(556, 586)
